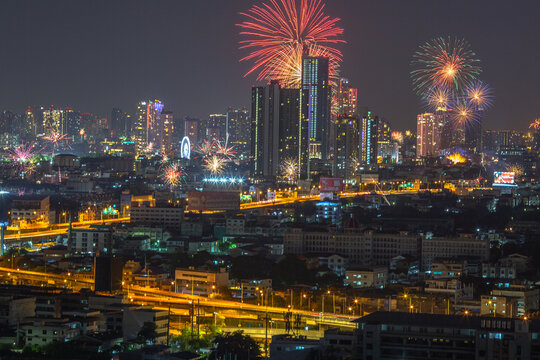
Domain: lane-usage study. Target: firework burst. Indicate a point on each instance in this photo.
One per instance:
(535, 124)
(456, 158)
(206, 149)
(23, 156)
(214, 164)
(516, 169)
(289, 170)
(172, 175)
(444, 62)
(438, 98)
(225, 150)
(479, 94)
(56, 138)
(464, 114)
(281, 32)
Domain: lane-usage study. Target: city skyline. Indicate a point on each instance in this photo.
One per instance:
(187, 82)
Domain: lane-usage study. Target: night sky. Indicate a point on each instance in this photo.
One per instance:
(97, 54)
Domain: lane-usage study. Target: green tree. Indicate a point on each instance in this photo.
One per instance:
(147, 334)
(236, 345)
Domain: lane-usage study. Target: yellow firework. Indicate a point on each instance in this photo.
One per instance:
(289, 170)
(214, 164)
(456, 158)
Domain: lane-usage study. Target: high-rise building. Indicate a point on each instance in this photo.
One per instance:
(494, 139)
(216, 127)
(120, 123)
(167, 131)
(347, 100)
(289, 115)
(368, 138)
(192, 130)
(148, 113)
(429, 128)
(265, 106)
(473, 135)
(316, 103)
(346, 157)
(239, 129)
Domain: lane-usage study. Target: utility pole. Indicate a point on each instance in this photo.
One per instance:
(198, 327)
(168, 324)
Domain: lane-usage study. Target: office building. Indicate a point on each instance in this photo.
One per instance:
(97, 238)
(120, 122)
(165, 140)
(368, 138)
(216, 128)
(361, 248)
(397, 335)
(146, 120)
(429, 128)
(265, 106)
(463, 246)
(192, 129)
(494, 139)
(200, 282)
(239, 130)
(169, 216)
(289, 114)
(316, 104)
(347, 146)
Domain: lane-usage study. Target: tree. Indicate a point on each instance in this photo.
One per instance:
(236, 345)
(290, 271)
(148, 333)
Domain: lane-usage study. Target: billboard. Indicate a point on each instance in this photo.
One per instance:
(502, 178)
(213, 200)
(330, 184)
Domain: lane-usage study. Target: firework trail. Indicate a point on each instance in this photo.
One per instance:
(444, 62)
(280, 33)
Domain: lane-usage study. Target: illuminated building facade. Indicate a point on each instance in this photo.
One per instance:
(216, 127)
(316, 102)
(192, 130)
(238, 129)
(368, 139)
(145, 127)
(167, 131)
(429, 127)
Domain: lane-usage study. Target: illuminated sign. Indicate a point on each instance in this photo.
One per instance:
(504, 178)
(185, 148)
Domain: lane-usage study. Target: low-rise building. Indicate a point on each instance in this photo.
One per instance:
(200, 282)
(91, 240)
(39, 332)
(135, 318)
(375, 277)
(396, 335)
(13, 309)
(168, 216)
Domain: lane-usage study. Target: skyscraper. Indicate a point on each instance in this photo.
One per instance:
(316, 103)
(265, 107)
(216, 127)
(239, 129)
(429, 128)
(167, 131)
(289, 116)
(192, 130)
(347, 100)
(368, 139)
(148, 113)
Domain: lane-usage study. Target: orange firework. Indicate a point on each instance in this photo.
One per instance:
(535, 124)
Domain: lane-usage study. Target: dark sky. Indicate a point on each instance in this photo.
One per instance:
(97, 54)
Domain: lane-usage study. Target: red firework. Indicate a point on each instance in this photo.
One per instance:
(279, 33)
(225, 150)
